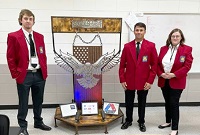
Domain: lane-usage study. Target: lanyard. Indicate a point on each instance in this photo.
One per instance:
(27, 40)
(172, 53)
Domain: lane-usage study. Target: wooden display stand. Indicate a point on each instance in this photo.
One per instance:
(92, 120)
(87, 78)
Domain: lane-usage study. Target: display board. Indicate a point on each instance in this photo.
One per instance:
(160, 25)
(86, 63)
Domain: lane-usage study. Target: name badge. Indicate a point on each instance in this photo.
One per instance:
(34, 60)
(144, 58)
(182, 59)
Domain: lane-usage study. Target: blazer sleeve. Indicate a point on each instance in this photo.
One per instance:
(160, 68)
(11, 56)
(182, 72)
(153, 64)
(122, 66)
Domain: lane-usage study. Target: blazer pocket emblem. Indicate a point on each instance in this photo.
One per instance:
(182, 58)
(144, 58)
(41, 49)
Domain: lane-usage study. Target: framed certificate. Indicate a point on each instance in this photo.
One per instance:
(111, 108)
(68, 109)
(89, 108)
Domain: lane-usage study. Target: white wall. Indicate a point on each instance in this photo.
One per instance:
(59, 87)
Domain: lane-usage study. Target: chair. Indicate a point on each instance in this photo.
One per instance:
(4, 125)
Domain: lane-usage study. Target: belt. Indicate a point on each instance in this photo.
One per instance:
(34, 70)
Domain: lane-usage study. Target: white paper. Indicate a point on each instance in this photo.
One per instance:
(68, 109)
(111, 108)
(89, 108)
(131, 20)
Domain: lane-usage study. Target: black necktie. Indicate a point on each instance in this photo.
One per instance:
(32, 49)
(138, 49)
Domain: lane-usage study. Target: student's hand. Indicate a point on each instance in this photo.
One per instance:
(124, 85)
(147, 86)
(170, 75)
(164, 75)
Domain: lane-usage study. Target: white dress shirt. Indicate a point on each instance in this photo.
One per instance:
(169, 58)
(26, 34)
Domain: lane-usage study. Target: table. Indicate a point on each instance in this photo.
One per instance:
(92, 120)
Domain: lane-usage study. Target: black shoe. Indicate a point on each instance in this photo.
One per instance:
(23, 131)
(126, 125)
(142, 127)
(161, 127)
(43, 127)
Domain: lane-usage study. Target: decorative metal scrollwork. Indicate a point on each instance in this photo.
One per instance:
(71, 64)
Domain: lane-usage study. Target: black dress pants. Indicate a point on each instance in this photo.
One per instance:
(172, 97)
(129, 102)
(36, 83)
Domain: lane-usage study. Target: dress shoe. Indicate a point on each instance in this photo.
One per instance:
(142, 127)
(23, 131)
(126, 125)
(43, 127)
(161, 127)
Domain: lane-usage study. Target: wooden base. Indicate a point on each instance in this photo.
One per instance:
(93, 120)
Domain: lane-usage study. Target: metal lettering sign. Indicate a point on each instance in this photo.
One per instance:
(87, 24)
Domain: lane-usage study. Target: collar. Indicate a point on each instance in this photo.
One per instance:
(140, 42)
(26, 33)
(176, 47)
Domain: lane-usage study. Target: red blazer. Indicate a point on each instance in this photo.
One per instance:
(137, 72)
(18, 55)
(182, 64)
